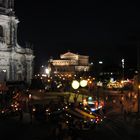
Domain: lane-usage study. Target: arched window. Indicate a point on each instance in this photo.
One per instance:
(1, 31)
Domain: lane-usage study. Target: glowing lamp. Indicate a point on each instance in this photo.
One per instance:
(47, 71)
(83, 83)
(75, 84)
(30, 96)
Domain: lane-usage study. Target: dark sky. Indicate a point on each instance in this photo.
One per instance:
(103, 30)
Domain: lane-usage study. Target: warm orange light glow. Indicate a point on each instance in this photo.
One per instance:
(85, 102)
(96, 104)
(90, 82)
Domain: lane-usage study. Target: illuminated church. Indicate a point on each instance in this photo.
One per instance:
(16, 63)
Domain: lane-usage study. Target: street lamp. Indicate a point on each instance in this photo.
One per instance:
(75, 85)
(83, 83)
(100, 67)
(48, 71)
(122, 69)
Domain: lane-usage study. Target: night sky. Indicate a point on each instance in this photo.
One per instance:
(107, 31)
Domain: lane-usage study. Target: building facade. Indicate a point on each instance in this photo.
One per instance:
(70, 63)
(16, 63)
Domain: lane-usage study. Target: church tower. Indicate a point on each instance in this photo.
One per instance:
(16, 62)
(6, 7)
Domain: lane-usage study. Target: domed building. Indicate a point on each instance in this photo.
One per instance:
(16, 62)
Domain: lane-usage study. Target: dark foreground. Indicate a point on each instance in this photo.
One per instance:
(113, 127)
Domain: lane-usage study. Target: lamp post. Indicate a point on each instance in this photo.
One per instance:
(100, 68)
(75, 85)
(83, 83)
(122, 69)
(48, 71)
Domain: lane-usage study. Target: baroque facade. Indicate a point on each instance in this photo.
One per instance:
(70, 63)
(16, 63)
